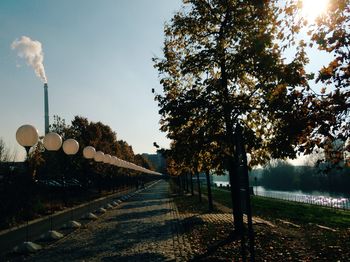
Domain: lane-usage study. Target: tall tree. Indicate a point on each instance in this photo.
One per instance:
(223, 64)
(87, 133)
(331, 34)
(4, 151)
(140, 160)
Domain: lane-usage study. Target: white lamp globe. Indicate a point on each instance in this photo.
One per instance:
(99, 156)
(122, 163)
(70, 146)
(111, 160)
(107, 158)
(52, 141)
(27, 135)
(127, 164)
(115, 160)
(89, 152)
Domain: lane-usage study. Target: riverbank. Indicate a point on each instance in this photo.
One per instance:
(299, 233)
(327, 199)
(294, 212)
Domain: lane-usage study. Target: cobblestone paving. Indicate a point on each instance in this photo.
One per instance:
(219, 218)
(144, 228)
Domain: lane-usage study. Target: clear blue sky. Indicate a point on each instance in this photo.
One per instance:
(97, 60)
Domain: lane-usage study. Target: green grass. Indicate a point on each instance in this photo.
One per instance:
(272, 209)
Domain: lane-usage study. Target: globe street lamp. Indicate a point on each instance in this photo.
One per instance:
(70, 147)
(27, 136)
(52, 142)
(115, 161)
(88, 153)
(98, 157)
(108, 159)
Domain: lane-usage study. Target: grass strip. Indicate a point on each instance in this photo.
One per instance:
(299, 213)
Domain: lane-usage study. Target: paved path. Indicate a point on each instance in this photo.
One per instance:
(9, 238)
(144, 228)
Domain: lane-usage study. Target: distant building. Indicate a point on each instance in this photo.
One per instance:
(157, 160)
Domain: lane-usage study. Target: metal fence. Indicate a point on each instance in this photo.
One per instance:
(326, 201)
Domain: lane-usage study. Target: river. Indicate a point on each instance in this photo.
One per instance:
(329, 199)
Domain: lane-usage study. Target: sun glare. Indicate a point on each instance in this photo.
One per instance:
(313, 8)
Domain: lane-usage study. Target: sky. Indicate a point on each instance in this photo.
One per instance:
(98, 62)
(97, 57)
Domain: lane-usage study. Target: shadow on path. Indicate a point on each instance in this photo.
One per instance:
(144, 228)
(137, 203)
(139, 215)
(137, 257)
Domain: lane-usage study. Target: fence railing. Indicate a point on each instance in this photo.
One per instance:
(332, 202)
(326, 201)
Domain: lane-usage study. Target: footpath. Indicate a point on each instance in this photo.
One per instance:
(146, 227)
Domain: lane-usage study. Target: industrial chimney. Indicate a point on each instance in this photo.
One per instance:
(46, 106)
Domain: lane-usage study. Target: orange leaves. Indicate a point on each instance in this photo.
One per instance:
(279, 90)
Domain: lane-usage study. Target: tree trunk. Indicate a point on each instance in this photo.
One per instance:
(236, 197)
(180, 185)
(191, 181)
(183, 183)
(186, 182)
(99, 185)
(199, 187)
(229, 124)
(210, 197)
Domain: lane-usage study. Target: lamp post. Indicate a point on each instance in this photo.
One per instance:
(89, 152)
(111, 175)
(27, 136)
(107, 159)
(52, 142)
(99, 156)
(115, 164)
(70, 147)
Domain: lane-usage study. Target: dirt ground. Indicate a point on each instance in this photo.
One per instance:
(281, 241)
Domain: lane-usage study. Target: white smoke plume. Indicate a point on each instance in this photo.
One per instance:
(32, 52)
